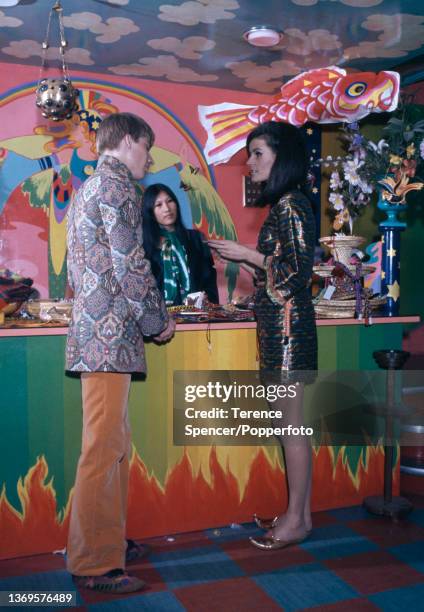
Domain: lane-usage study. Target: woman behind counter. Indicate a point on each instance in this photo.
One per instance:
(282, 262)
(181, 260)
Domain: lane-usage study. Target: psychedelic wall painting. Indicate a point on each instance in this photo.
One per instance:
(42, 163)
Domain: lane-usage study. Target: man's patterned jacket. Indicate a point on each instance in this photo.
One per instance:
(116, 300)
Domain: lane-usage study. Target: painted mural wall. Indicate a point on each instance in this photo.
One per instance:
(42, 163)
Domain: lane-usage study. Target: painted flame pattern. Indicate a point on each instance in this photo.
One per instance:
(156, 510)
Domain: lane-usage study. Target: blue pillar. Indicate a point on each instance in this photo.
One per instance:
(391, 229)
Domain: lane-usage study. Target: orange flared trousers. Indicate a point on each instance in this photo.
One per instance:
(96, 540)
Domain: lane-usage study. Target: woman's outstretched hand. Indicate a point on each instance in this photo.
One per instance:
(230, 250)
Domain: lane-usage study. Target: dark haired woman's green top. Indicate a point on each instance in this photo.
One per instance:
(176, 275)
(170, 271)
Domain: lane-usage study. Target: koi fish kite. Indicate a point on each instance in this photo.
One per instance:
(325, 95)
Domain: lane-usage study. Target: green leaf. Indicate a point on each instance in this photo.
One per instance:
(65, 173)
(38, 188)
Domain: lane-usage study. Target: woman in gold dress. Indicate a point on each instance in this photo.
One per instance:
(282, 265)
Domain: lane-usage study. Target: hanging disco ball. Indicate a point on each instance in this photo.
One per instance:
(56, 98)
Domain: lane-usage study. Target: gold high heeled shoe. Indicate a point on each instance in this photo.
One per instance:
(265, 523)
(270, 523)
(271, 543)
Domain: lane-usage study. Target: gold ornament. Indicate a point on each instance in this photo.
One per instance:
(56, 98)
(395, 191)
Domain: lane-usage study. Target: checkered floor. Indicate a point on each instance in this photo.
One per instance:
(352, 562)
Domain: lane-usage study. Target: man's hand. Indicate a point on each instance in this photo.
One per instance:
(167, 333)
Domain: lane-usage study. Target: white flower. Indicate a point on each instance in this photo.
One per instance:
(361, 153)
(379, 147)
(335, 180)
(365, 187)
(351, 174)
(337, 201)
(328, 161)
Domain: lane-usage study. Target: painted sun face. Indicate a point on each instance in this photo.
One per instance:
(165, 211)
(261, 159)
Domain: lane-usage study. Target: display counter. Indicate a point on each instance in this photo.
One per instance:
(172, 488)
(46, 330)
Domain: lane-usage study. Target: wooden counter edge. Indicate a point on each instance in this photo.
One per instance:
(62, 331)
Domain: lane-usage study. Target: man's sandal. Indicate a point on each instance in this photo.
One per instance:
(136, 552)
(116, 581)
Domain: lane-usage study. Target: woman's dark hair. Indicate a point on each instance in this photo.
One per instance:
(151, 228)
(290, 168)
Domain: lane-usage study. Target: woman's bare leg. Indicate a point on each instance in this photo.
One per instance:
(296, 521)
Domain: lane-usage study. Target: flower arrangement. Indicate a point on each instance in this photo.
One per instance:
(390, 163)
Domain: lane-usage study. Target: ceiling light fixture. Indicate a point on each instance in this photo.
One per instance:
(56, 97)
(263, 36)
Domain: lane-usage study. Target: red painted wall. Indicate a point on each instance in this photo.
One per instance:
(182, 102)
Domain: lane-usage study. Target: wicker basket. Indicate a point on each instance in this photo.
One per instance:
(325, 270)
(49, 310)
(343, 309)
(341, 246)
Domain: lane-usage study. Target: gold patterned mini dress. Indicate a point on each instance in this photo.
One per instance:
(283, 303)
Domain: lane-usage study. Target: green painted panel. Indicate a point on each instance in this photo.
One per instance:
(148, 418)
(45, 375)
(72, 424)
(348, 357)
(13, 415)
(350, 347)
(411, 272)
(377, 337)
(327, 347)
